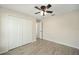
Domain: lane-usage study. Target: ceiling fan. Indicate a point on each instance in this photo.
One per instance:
(44, 10)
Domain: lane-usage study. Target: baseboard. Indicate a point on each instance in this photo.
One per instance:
(3, 52)
(60, 43)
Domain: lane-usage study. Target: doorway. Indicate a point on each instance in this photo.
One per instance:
(39, 29)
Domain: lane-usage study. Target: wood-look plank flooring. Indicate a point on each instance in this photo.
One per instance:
(43, 47)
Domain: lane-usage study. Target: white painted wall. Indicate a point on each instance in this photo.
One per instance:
(15, 29)
(63, 29)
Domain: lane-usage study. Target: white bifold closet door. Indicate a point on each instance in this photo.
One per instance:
(18, 31)
(27, 31)
(15, 32)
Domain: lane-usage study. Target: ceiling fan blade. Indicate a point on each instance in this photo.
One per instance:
(37, 8)
(48, 6)
(37, 12)
(49, 11)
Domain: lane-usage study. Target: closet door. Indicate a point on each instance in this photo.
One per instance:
(15, 32)
(20, 31)
(4, 35)
(27, 31)
(12, 32)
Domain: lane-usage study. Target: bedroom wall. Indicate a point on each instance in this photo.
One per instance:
(63, 29)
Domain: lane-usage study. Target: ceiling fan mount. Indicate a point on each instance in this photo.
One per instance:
(43, 8)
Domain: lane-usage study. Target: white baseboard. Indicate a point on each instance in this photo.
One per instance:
(60, 43)
(16, 47)
(3, 52)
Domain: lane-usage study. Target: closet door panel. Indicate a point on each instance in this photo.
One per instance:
(13, 32)
(20, 34)
(4, 38)
(27, 31)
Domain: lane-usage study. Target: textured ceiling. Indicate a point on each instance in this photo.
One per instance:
(30, 10)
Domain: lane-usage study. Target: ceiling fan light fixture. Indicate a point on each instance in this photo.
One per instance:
(43, 13)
